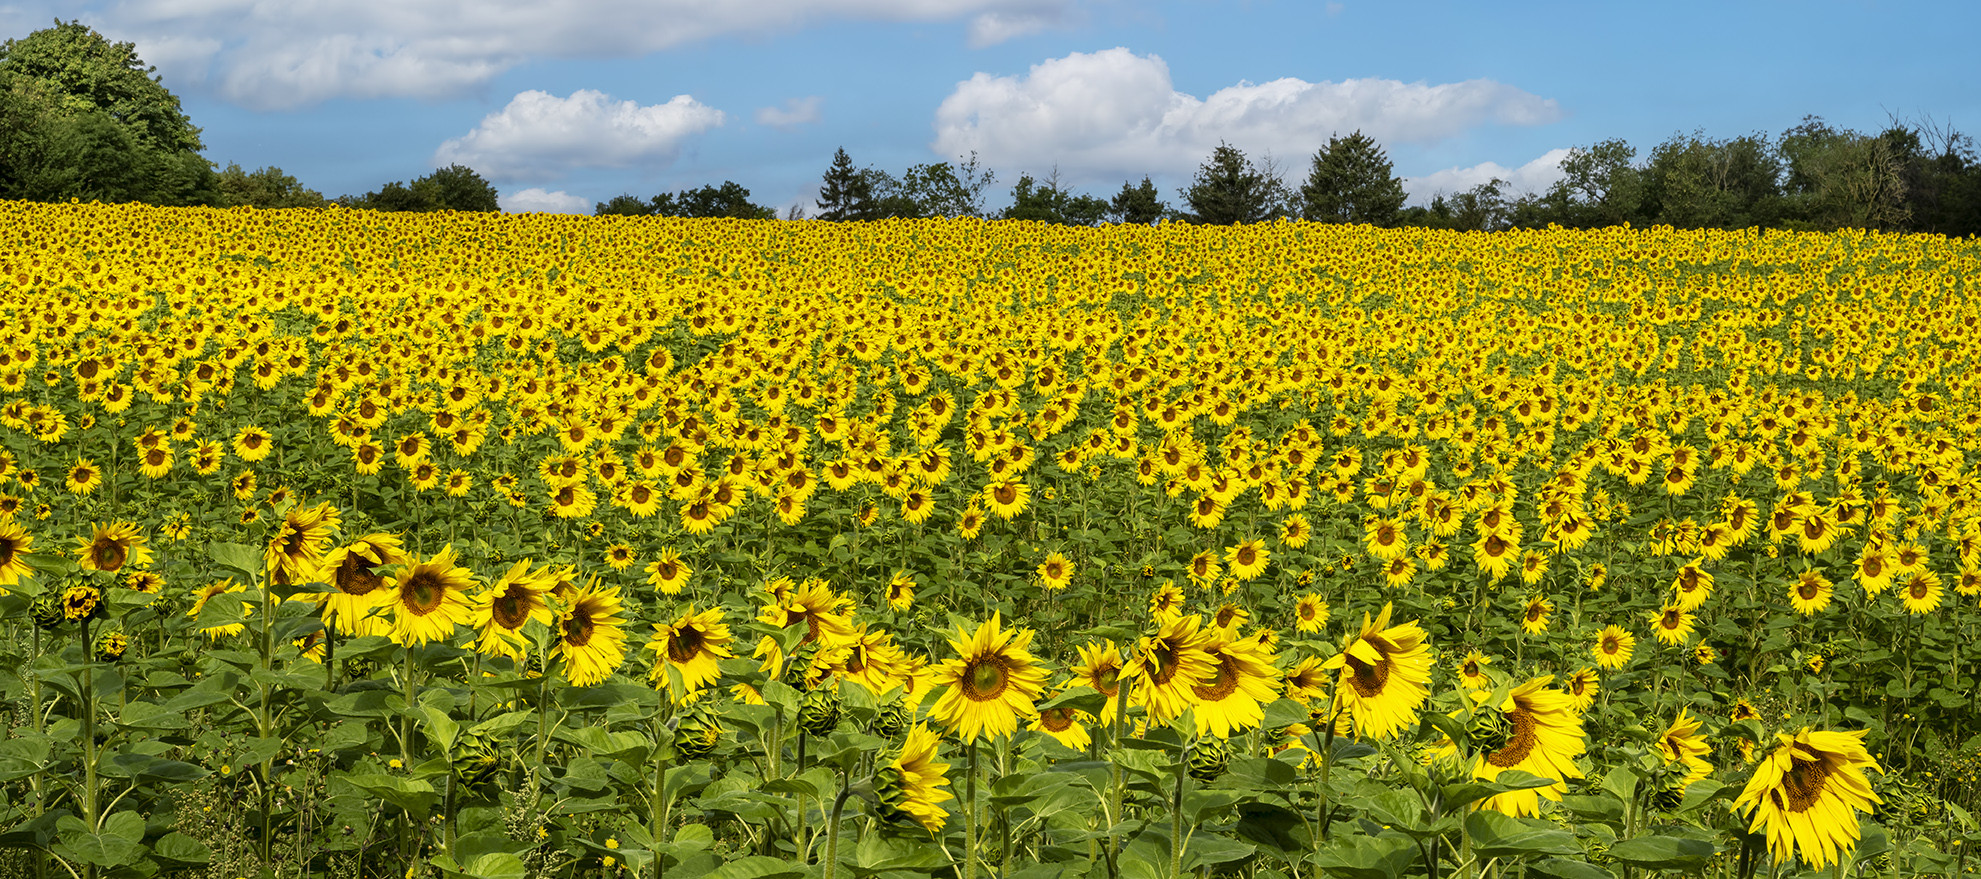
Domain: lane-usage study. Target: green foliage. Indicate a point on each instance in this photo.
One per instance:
(1139, 205)
(1695, 182)
(847, 194)
(1351, 181)
(1230, 189)
(453, 188)
(1049, 202)
(731, 199)
(86, 72)
(266, 188)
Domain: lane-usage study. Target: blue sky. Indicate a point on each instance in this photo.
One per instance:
(563, 103)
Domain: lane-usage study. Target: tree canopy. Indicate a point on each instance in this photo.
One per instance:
(1351, 181)
(1229, 189)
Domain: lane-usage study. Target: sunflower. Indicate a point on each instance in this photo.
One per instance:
(1068, 726)
(1582, 687)
(1007, 497)
(827, 617)
(500, 614)
(1386, 538)
(1166, 666)
(1294, 532)
(1921, 592)
(1874, 569)
(1233, 695)
(910, 786)
(252, 444)
(1540, 733)
(668, 573)
(1305, 681)
(1204, 568)
(201, 596)
(1534, 619)
(155, 462)
(1810, 592)
(992, 681)
(295, 551)
(428, 599)
(577, 501)
(1613, 647)
(1248, 560)
(1472, 670)
(1099, 668)
(1383, 671)
(84, 477)
(901, 591)
(1672, 626)
(971, 522)
(1167, 601)
(692, 645)
(591, 638)
(15, 544)
(1682, 744)
(1692, 586)
(1310, 613)
(354, 570)
(1807, 793)
(113, 546)
(1494, 555)
(1056, 572)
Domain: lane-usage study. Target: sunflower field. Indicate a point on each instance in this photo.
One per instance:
(346, 544)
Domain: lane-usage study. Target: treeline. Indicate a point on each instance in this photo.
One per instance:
(83, 118)
(1909, 178)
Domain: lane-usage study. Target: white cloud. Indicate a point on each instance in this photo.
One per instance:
(992, 28)
(795, 112)
(1099, 116)
(1535, 176)
(280, 54)
(537, 200)
(540, 136)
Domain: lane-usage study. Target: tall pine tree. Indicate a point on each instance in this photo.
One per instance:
(847, 193)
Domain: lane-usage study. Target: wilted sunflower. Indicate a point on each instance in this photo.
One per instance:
(1540, 733)
(591, 638)
(295, 550)
(113, 546)
(1383, 671)
(691, 645)
(1613, 647)
(428, 599)
(15, 544)
(1165, 667)
(1232, 696)
(910, 786)
(353, 570)
(1806, 795)
(500, 614)
(991, 682)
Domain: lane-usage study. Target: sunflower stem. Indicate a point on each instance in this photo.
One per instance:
(832, 830)
(970, 817)
(1176, 811)
(658, 805)
(89, 742)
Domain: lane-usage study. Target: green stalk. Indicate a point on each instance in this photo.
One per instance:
(1176, 812)
(832, 831)
(657, 804)
(970, 818)
(90, 815)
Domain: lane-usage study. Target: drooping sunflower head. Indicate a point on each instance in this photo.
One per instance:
(909, 787)
(500, 614)
(692, 645)
(1541, 734)
(1806, 795)
(295, 550)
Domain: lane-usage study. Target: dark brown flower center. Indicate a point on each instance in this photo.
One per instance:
(423, 592)
(1520, 741)
(578, 627)
(1803, 783)
(108, 554)
(984, 679)
(511, 609)
(1368, 680)
(685, 644)
(1056, 719)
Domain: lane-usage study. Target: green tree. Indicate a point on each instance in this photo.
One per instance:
(1229, 189)
(87, 72)
(847, 193)
(1837, 178)
(1693, 182)
(731, 199)
(1139, 205)
(1601, 185)
(1049, 202)
(266, 188)
(627, 205)
(1351, 181)
(453, 188)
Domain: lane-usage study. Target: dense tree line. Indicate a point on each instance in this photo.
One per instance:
(82, 117)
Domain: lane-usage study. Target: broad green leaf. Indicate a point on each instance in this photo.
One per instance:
(1503, 836)
(1664, 852)
(1365, 857)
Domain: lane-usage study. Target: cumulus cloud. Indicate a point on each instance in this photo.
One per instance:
(1535, 176)
(537, 200)
(1100, 115)
(540, 136)
(279, 55)
(795, 112)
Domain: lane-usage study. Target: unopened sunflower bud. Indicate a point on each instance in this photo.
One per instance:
(819, 714)
(1208, 759)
